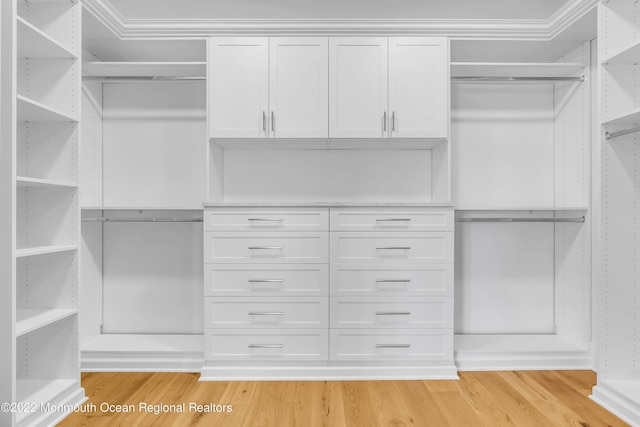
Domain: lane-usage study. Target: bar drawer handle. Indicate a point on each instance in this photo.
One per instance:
(266, 219)
(394, 281)
(393, 345)
(266, 280)
(393, 313)
(266, 313)
(266, 346)
(395, 248)
(256, 248)
(394, 220)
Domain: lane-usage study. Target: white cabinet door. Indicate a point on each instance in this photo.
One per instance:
(299, 92)
(358, 95)
(418, 87)
(238, 78)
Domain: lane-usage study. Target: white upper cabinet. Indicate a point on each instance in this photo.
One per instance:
(418, 87)
(238, 78)
(298, 89)
(358, 87)
(319, 87)
(261, 87)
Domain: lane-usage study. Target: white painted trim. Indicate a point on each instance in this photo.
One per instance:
(141, 362)
(524, 361)
(328, 373)
(625, 409)
(488, 29)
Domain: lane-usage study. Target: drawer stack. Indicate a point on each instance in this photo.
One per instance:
(391, 275)
(266, 284)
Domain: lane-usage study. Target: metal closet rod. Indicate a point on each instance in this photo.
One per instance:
(515, 79)
(578, 219)
(138, 219)
(144, 78)
(611, 135)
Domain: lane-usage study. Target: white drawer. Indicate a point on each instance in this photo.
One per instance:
(266, 312)
(265, 247)
(266, 280)
(392, 248)
(391, 344)
(378, 312)
(265, 344)
(391, 219)
(266, 219)
(432, 279)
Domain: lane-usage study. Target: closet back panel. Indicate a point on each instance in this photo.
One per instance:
(328, 175)
(502, 137)
(154, 144)
(504, 278)
(152, 278)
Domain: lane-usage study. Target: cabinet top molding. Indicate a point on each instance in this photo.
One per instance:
(524, 29)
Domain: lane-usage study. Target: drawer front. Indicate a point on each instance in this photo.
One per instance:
(391, 344)
(389, 219)
(265, 247)
(388, 248)
(433, 279)
(266, 280)
(377, 312)
(267, 312)
(265, 345)
(266, 219)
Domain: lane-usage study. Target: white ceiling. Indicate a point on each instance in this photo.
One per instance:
(338, 9)
(481, 30)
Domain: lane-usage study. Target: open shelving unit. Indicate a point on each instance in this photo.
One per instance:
(43, 131)
(521, 183)
(618, 387)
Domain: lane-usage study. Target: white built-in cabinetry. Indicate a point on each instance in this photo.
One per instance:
(618, 387)
(40, 125)
(263, 87)
(394, 87)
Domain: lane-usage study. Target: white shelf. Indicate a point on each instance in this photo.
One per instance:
(145, 343)
(628, 55)
(23, 181)
(43, 250)
(41, 391)
(515, 69)
(630, 118)
(519, 208)
(30, 320)
(34, 43)
(144, 69)
(34, 111)
(143, 208)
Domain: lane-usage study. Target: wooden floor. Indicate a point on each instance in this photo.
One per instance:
(522, 398)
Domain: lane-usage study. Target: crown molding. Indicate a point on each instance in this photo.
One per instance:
(462, 29)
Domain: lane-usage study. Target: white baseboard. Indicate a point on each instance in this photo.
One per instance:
(73, 397)
(619, 405)
(328, 373)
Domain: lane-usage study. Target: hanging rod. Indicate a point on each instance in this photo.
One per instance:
(579, 219)
(136, 219)
(515, 79)
(611, 135)
(144, 78)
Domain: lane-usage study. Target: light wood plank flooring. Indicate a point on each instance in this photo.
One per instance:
(520, 398)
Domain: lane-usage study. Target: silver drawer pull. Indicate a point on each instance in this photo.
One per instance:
(393, 313)
(393, 345)
(266, 346)
(266, 313)
(266, 219)
(266, 280)
(394, 220)
(395, 248)
(394, 281)
(257, 248)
